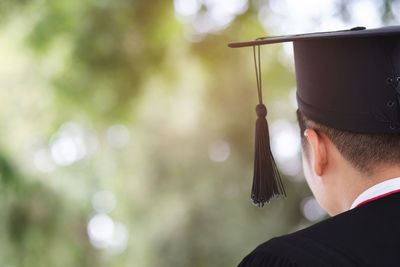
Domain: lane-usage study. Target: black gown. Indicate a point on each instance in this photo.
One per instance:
(368, 235)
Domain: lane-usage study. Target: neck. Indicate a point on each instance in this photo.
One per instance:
(360, 183)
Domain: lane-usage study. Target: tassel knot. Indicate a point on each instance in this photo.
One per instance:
(261, 111)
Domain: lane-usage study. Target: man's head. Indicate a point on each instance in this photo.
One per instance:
(339, 163)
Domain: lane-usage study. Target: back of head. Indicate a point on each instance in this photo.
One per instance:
(366, 152)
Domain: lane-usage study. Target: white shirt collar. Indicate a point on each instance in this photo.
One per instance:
(377, 190)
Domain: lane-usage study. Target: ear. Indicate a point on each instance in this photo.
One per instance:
(318, 150)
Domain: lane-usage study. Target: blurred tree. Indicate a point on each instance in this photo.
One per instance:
(120, 97)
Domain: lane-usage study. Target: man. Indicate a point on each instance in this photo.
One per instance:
(348, 93)
(356, 179)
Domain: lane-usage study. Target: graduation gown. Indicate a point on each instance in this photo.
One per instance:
(367, 235)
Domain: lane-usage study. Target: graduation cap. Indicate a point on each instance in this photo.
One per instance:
(347, 79)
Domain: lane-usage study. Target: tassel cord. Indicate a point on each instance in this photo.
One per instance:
(257, 66)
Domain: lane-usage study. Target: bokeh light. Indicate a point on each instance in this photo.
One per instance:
(101, 230)
(285, 140)
(207, 16)
(311, 209)
(106, 234)
(118, 135)
(219, 150)
(68, 144)
(187, 8)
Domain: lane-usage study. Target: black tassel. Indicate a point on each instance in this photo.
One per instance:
(266, 180)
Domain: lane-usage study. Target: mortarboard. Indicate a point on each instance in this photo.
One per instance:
(347, 79)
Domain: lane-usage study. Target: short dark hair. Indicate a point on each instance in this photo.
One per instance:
(365, 151)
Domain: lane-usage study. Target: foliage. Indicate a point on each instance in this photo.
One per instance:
(109, 95)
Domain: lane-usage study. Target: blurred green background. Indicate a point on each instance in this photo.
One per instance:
(127, 127)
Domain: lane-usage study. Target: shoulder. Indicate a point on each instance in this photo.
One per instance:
(311, 246)
(287, 250)
(364, 236)
(268, 254)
